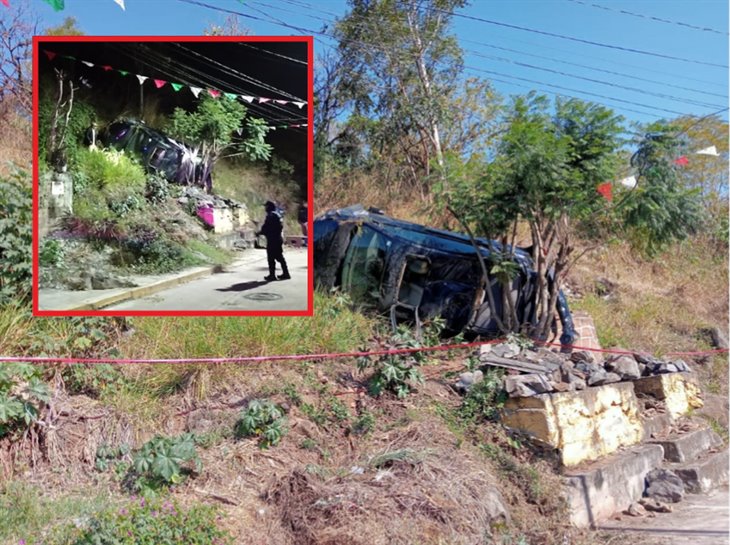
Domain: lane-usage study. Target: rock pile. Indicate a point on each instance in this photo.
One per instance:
(534, 371)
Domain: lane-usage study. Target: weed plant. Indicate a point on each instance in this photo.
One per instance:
(148, 522)
(263, 420)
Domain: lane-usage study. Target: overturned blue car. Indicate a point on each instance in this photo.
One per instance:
(158, 153)
(415, 273)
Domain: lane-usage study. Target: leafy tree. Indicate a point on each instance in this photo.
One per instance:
(69, 27)
(545, 173)
(661, 209)
(707, 173)
(399, 74)
(212, 130)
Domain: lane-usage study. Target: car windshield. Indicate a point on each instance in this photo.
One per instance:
(364, 265)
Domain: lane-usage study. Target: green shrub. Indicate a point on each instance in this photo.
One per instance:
(262, 419)
(50, 252)
(484, 399)
(157, 189)
(16, 237)
(161, 462)
(147, 251)
(110, 171)
(395, 373)
(148, 522)
(22, 394)
(107, 455)
(92, 380)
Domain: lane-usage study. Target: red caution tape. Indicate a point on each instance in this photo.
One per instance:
(321, 356)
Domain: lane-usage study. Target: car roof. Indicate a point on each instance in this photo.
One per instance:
(421, 235)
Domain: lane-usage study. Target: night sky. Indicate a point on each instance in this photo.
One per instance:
(275, 70)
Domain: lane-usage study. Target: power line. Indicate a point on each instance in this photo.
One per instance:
(269, 19)
(651, 17)
(574, 90)
(587, 67)
(600, 82)
(574, 39)
(246, 44)
(157, 61)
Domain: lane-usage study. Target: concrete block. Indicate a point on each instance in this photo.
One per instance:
(656, 425)
(679, 391)
(701, 476)
(581, 425)
(689, 446)
(608, 486)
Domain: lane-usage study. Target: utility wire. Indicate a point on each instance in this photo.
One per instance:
(158, 62)
(593, 68)
(574, 39)
(600, 82)
(292, 59)
(241, 75)
(574, 90)
(651, 17)
(269, 19)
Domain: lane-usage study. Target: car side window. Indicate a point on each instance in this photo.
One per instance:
(364, 265)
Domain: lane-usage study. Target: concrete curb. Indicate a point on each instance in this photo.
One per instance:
(143, 291)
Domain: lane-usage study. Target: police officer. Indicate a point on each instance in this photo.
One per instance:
(272, 230)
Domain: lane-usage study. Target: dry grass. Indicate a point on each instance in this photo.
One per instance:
(16, 147)
(660, 305)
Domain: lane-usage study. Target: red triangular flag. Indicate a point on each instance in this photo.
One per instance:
(107, 68)
(49, 54)
(214, 93)
(5, 3)
(682, 161)
(159, 83)
(605, 190)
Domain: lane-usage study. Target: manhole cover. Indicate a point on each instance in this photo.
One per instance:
(265, 296)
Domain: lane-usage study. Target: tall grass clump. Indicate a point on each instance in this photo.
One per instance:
(333, 328)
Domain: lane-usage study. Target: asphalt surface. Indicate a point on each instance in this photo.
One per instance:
(696, 520)
(240, 287)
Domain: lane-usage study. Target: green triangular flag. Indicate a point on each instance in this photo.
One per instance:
(177, 86)
(68, 57)
(58, 5)
(232, 96)
(123, 72)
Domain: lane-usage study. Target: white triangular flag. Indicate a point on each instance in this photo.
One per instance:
(282, 102)
(247, 98)
(87, 63)
(629, 182)
(196, 91)
(141, 78)
(300, 104)
(712, 150)
(121, 4)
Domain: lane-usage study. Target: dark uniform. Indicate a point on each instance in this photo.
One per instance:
(272, 230)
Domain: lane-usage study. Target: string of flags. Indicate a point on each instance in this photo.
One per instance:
(160, 83)
(605, 189)
(58, 5)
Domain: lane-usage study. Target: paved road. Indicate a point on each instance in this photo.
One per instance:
(240, 287)
(697, 520)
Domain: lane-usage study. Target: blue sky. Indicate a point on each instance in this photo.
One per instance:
(651, 87)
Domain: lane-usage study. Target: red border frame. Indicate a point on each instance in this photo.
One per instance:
(309, 40)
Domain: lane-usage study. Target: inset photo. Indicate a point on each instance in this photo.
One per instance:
(173, 175)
